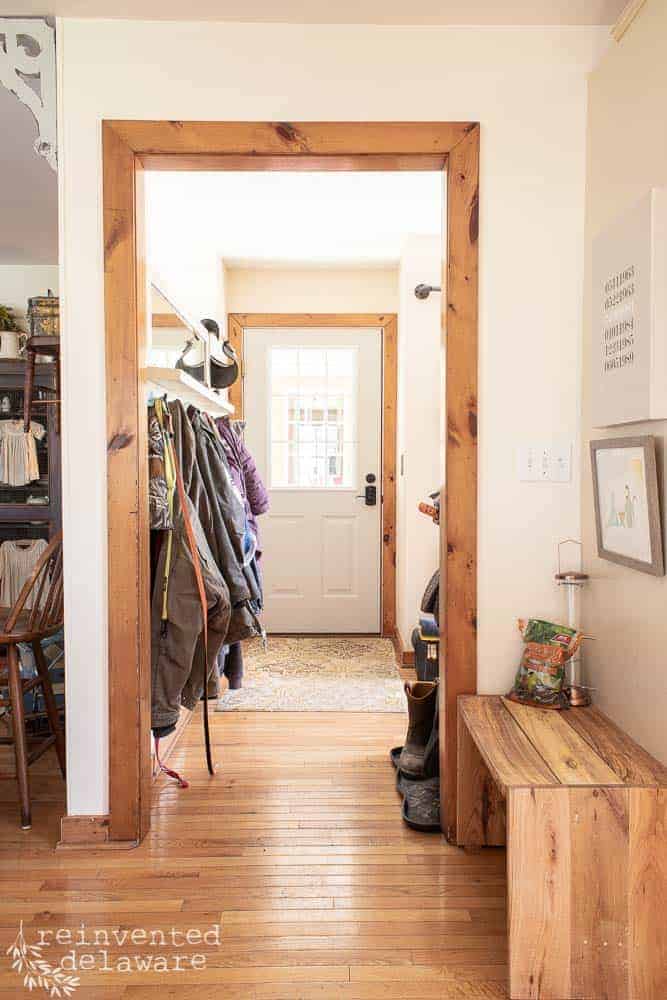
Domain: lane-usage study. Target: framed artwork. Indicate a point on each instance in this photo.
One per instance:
(627, 503)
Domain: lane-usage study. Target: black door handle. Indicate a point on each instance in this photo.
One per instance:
(369, 496)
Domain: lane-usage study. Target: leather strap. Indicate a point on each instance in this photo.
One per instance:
(192, 545)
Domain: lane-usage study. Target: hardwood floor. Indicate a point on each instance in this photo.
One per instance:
(296, 848)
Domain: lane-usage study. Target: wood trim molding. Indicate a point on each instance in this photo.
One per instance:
(126, 146)
(356, 140)
(167, 321)
(627, 16)
(83, 830)
(458, 505)
(204, 161)
(404, 657)
(238, 323)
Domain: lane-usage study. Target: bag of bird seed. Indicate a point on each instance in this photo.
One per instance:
(548, 647)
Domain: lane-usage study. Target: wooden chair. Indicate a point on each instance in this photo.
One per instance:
(36, 615)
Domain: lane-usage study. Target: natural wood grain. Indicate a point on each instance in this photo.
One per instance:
(458, 502)
(508, 753)
(298, 139)
(84, 829)
(394, 912)
(125, 299)
(389, 438)
(627, 759)
(587, 857)
(570, 757)
(647, 888)
(480, 817)
(539, 881)
(291, 163)
(599, 866)
(261, 320)
(235, 338)
(167, 321)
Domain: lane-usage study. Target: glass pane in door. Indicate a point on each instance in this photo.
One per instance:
(313, 424)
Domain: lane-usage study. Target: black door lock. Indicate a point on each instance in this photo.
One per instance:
(369, 496)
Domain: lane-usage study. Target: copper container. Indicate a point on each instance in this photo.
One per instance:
(44, 315)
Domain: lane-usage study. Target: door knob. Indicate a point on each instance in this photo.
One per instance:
(369, 496)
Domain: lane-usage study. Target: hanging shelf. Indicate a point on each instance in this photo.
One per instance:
(178, 384)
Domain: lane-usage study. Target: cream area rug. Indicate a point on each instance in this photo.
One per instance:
(318, 674)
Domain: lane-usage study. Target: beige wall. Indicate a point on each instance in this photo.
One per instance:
(625, 610)
(19, 282)
(527, 88)
(302, 289)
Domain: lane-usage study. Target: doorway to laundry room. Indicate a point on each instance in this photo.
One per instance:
(131, 152)
(306, 279)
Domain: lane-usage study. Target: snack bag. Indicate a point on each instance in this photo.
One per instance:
(539, 679)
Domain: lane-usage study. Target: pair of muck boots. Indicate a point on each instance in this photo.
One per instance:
(417, 762)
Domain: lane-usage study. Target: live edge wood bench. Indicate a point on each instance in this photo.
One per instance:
(583, 811)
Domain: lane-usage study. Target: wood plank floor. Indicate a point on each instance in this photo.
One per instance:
(296, 848)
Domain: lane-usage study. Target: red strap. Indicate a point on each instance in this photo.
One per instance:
(167, 770)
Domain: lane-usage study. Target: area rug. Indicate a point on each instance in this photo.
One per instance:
(318, 674)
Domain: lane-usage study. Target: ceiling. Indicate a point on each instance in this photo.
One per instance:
(289, 215)
(519, 12)
(28, 190)
(281, 218)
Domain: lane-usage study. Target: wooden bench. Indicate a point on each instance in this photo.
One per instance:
(583, 811)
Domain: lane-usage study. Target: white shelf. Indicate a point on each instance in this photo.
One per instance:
(179, 385)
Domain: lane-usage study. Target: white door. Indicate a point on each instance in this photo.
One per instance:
(312, 402)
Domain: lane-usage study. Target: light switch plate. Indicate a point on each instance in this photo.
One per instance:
(545, 462)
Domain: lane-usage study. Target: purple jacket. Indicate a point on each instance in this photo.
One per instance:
(244, 473)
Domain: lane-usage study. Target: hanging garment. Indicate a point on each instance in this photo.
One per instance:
(17, 561)
(245, 475)
(214, 495)
(161, 479)
(18, 452)
(179, 670)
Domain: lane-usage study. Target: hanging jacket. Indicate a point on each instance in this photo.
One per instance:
(222, 515)
(244, 473)
(178, 664)
(180, 659)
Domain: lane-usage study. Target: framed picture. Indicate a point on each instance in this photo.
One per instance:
(627, 504)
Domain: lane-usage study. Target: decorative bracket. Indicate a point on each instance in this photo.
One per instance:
(28, 70)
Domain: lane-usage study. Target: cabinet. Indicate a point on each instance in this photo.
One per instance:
(34, 510)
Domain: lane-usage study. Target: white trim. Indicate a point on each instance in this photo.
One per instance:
(18, 61)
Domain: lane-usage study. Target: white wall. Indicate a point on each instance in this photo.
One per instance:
(624, 609)
(18, 283)
(317, 289)
(419, 414)
(527, 88)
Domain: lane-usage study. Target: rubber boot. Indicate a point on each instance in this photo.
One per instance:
(422, 698)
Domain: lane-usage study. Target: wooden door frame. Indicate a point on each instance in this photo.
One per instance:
(130, 147)
(238, 323)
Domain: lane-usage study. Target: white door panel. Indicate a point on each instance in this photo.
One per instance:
(313, 400)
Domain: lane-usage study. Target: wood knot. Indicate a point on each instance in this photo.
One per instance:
(119, 441)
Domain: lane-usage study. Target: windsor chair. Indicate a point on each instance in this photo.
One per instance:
(37, 614)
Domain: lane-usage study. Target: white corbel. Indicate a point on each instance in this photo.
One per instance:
(27, 57)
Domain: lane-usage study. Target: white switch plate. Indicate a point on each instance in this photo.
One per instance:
(546, 462)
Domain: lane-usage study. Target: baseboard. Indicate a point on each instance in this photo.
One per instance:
(404, 657)
(83, 831)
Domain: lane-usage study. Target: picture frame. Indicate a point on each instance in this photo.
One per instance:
(627, 503)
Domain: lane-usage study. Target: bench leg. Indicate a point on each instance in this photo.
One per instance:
(480, 811)
(585, 873)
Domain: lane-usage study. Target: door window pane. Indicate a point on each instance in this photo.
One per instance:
(313, 422)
